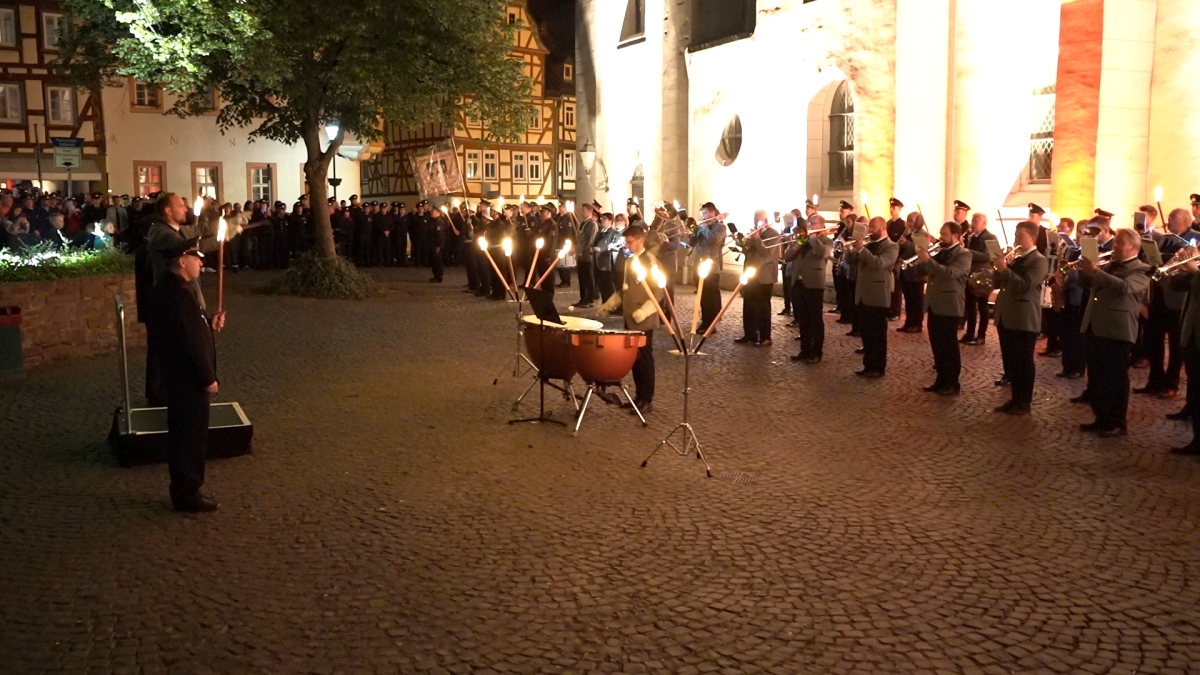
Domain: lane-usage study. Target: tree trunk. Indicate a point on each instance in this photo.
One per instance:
(315, 171)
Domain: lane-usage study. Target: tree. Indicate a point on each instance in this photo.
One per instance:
(292, 67)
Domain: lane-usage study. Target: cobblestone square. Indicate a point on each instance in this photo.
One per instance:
(391, 521)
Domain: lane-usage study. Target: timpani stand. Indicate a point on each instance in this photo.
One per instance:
(551, 359)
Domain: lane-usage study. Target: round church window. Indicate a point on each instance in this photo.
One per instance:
(731, 141)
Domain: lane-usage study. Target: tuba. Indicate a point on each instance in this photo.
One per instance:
(980, 284)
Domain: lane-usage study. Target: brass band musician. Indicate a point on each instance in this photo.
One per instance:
(874, 259)
(945, 300)
(809, 255)
(1019, 275)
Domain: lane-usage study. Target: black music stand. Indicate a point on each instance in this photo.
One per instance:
(542, 303)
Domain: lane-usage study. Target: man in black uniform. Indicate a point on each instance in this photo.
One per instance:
(895, 231)
(189, 371)
(438, 235)
(976, 307)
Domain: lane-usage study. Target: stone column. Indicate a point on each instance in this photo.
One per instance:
(1174, 117)
(675, 107)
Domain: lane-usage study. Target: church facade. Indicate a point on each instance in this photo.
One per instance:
(1073, 104)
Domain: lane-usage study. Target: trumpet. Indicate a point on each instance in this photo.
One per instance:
(1172, 267)
(785, 239)
(1103, 257)
(907, 263)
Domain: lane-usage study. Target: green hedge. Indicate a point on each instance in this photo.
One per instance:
(313, 276)
(44, 263)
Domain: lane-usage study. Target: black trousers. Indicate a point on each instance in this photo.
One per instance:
(1016, 352)
(977, 313)
(1052, 327)
(1108, 378)
(789, 301)
(156, 395)
(710, 300)
(840, 291)
(756, 311)
(400, 247)
(436, 264)
(809, 305)
(643, 370)
(897, 295)
(1191, 360)
(1163, 328)
(872, 323)
(604, 280)
(1074, 358)
(472, 267)
(187, 441)
(587, 282)
(943, 340)
(564, 274)
(914, 303)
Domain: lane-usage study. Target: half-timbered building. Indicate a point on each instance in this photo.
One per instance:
(36, 107)
(535, 165)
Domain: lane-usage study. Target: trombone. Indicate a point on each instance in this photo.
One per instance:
(933, 249)
(1103, 257)
(785, 239)
(1172, 267)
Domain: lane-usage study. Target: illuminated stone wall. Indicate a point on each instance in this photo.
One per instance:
(1174, 114)
(72, 318)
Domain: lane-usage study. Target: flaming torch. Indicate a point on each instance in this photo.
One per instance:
(562, 254)
(483, 246)
(746, 277)
(222, 227)
(538, 246)
(702, 271)
(1158, 202)
(507, 245)
(865, 206)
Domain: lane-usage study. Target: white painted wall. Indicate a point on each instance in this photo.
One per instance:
(1174, 162)
(140, 136)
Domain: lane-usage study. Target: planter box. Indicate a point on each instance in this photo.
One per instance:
(72, 318)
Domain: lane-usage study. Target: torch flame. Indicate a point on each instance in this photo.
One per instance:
(522, 200)
(816, 201)
(1158, 194)
(198, 205)
(482, 244)
(541, 200)
(456, 202)
(222, 226)
(639, 270)
(500, 202)
(566, 249)
(570, 205)
(676, 203)
(507, 245)
(706, 266)
(659, 278)
(445, 209)
(540, 243)
(748, 275)
(863, 199)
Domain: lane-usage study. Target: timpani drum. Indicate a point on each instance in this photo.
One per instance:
(550, 347)
(604, 356)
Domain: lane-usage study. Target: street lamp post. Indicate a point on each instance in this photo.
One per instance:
(331, 131)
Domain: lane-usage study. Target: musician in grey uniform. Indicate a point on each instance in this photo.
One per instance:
(1189, 339)
(638, 310)
(709, 242)
(1019, 275)
(1110, 327)
(809, 256)
(756, 296)
(945, 301)
(873, 260)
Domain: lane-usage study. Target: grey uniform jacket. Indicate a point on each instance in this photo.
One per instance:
(1019, 305)
(1189, 322)
(633, 294)
(875, 282)
(1115, 302)
(811, 260)
(587, 239)
(946, 294)
(766, 260)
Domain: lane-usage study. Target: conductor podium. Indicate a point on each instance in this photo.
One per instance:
(139, 435)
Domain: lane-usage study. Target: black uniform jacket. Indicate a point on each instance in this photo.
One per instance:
(185, 339)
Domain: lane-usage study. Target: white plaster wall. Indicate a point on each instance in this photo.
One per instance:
(137, 136)
(922, 90)
(1123, 131)
(1174, 160)
(1003, 50)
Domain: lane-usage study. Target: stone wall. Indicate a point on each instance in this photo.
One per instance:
(72, 318)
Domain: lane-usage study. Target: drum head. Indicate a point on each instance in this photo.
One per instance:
(569, 322)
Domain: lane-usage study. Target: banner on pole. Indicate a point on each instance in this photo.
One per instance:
(436, 169)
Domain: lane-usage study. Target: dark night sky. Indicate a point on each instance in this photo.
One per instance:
(557, 19)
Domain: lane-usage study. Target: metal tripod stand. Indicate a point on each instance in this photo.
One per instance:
(690, 440)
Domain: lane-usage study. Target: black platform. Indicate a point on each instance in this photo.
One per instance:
(229, 434)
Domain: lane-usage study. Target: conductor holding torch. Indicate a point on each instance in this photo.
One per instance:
(638, 309)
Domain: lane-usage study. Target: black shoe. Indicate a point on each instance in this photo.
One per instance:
(196, 504)
(763, 343)
(814, 359)
(1002, 382)
(786, 312)
(860, 350)
(1113, 431)
(966, 339)
(1092, 426)
(1147, 390)
(869, 373)
(846, 321)
(643, 406)
(854, 333)
(949, 390)
(797, 338)
(1006, 407)
(793, 325)
(933, 388)
(1189, 450)
(584, 305)
(744, 339)
(609, 398)
(1181, 416)
(1019, 409)
(799, 357)
(1082, 398)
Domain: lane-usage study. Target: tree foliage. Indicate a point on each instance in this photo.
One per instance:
(287, 68)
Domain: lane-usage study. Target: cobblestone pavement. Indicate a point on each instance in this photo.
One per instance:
(390, 520)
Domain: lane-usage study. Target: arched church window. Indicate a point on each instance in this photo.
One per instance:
(841, 139)
(731, 141)
(1041, 139)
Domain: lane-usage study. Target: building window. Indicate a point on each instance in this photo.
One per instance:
(261, 179)
(489, 166)
(569, 115)
(149, 177)
(518, 167)
(535, 167)
(207, 104)
(716, 22)
(537, 119)
(8, 27)
(51, 30)
(472, 165)
(841, 139)
(568, 71)
(1041, 140)
(146, 97)
(60, 105)
(11, 110)
(206, 180)
(512, 17)
(568, 165)
(634, 25)
(731, 142)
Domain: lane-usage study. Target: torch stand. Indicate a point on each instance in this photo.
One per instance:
(690, 440)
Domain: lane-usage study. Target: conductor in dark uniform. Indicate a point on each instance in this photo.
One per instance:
(189, 371)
